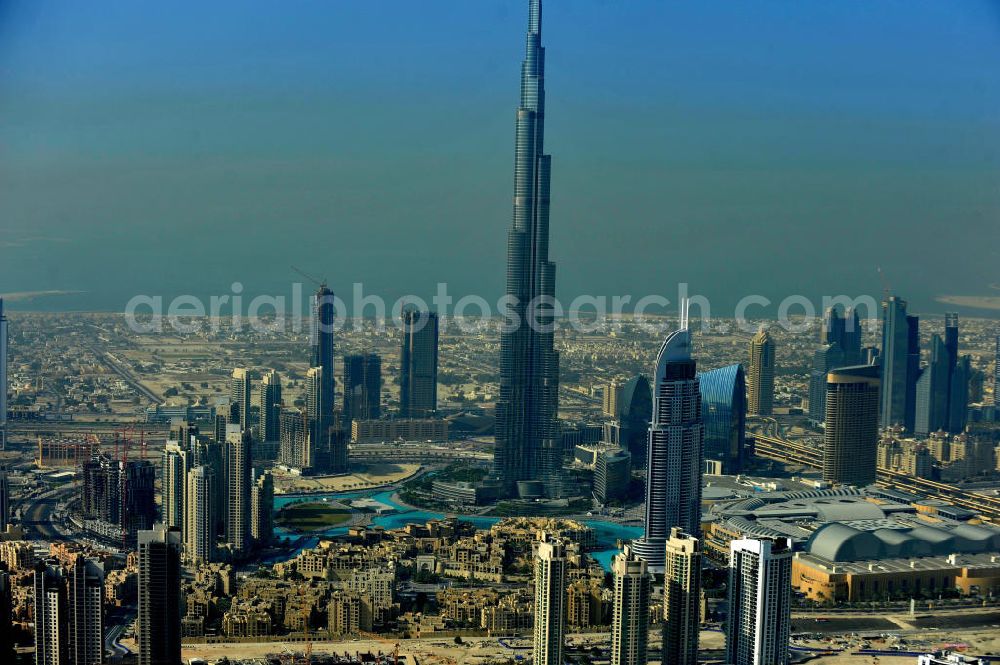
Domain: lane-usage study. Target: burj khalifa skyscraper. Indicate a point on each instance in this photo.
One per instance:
(528, 454)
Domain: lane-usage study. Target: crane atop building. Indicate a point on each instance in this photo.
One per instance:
(311, 278)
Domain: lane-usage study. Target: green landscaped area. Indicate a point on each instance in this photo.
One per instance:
(312, 516)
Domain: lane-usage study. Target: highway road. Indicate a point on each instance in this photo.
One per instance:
(127, 376)
(38, 525)
(38, 512)
(116, 622)
(111, 363)
(28, 430)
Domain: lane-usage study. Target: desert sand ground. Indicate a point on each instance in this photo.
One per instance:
(363, 477)
(482, 650)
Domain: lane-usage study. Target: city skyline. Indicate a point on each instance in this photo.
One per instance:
(217, 486)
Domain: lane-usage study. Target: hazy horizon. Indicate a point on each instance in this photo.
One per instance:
(768, 149)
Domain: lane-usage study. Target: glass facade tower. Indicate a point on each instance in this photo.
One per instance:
(632, 413)
(528, 446)
(724, 409)
(900, 360)
(362, 388)
(418, 365)
(933, 391)
(321, 341)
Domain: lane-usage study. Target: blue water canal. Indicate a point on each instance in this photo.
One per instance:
(607, 533)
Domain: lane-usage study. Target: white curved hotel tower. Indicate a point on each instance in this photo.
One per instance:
(675, 453)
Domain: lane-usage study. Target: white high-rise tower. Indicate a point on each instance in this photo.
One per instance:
(238, 468)
(630, 617)
(675, 453)
(550, 601)
(760, 597)
(199, 534)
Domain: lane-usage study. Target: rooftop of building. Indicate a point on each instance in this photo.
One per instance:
(845, 542)
(598, 447)
(850, 524)
(901, 565)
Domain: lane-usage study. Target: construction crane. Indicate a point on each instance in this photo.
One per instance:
(311, 278)
(90, 448)
(142, 444)
(123, 441)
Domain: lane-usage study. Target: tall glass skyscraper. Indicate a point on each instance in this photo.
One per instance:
(418, 364)
(959, 376)
(843, 328)
(825, 359)
(951, 334)
(528, 446)
(942, 393)
(362, 388)
(958, 394)
(724, 409)
(933, 391)
(321, 340)
(840, 346)
(675, 455)
(900, 360)
(632, 413)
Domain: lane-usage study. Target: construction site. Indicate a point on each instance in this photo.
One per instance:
(114, 494)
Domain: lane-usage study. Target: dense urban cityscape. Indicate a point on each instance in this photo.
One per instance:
(422, 488)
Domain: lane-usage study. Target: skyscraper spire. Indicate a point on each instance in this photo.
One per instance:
(528, 451)
(535, 16)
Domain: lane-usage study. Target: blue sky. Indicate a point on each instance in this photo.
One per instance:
(764, 147)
